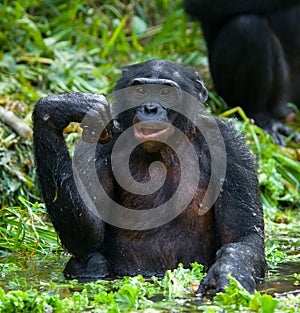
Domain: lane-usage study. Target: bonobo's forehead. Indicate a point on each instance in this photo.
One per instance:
(159, 69)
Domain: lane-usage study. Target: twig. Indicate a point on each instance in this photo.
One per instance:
(21, 128)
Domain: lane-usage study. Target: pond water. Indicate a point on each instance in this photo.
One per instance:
(38, 271)
(281, 280)
(34, 271)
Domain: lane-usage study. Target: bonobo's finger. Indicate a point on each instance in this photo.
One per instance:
(278, 130)
(207, 283)
(98, 115)
(278, 138)
(92, 136)
(248, 283)
(97, 124)
(287, 131)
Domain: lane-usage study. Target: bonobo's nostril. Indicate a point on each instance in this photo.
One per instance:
(151, 108)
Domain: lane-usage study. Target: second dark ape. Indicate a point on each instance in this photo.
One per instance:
(254, 50)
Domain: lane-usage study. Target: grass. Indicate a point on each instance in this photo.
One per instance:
(56, 46)
(23, 229)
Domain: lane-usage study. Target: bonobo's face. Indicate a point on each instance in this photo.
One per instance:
(153, 90)
(153, 117)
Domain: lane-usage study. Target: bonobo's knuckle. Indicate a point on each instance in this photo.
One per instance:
(100, 98)
(99, 107)
(99, 111)
(96, 101)
(250, 285)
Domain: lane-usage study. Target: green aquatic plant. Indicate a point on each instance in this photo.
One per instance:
(139, 295)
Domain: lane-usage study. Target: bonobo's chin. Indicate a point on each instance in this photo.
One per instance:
(152, 146)
(152, 135)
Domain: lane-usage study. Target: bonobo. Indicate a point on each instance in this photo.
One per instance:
(254, 49)
(200, 201)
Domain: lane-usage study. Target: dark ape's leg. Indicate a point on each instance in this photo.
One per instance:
(80, 231)
(249, 69)
(248, 66)
(287, 28)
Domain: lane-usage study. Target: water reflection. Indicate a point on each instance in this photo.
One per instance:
(281, 280)
(50, 268)
(34, 271)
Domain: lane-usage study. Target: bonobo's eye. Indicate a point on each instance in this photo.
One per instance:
(140, 91)
(165, 93)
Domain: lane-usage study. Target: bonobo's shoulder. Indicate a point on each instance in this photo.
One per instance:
(226, 123)
(226, 126)
(233, 138)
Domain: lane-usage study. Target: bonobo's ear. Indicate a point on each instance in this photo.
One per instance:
(201, 90)
(125, 69)
(123, 82)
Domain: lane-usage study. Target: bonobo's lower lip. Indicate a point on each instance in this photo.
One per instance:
(152, 130)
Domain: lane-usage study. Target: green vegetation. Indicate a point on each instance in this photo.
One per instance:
(55, 46)
(135, 293)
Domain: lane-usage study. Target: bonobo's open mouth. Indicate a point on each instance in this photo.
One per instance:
(152, 130)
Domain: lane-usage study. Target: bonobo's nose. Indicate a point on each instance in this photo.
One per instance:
(151, 108)
(151, 111)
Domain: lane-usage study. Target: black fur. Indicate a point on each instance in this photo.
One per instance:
(228, 238)
(254, 50)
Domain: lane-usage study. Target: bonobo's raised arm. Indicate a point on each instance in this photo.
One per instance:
(79, 229)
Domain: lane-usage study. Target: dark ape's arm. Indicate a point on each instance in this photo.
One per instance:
(214, 9)
(239, 220)
(80, 231)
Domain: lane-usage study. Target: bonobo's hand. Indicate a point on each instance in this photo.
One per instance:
(276, 129)
(217, 277)
(98, 125)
